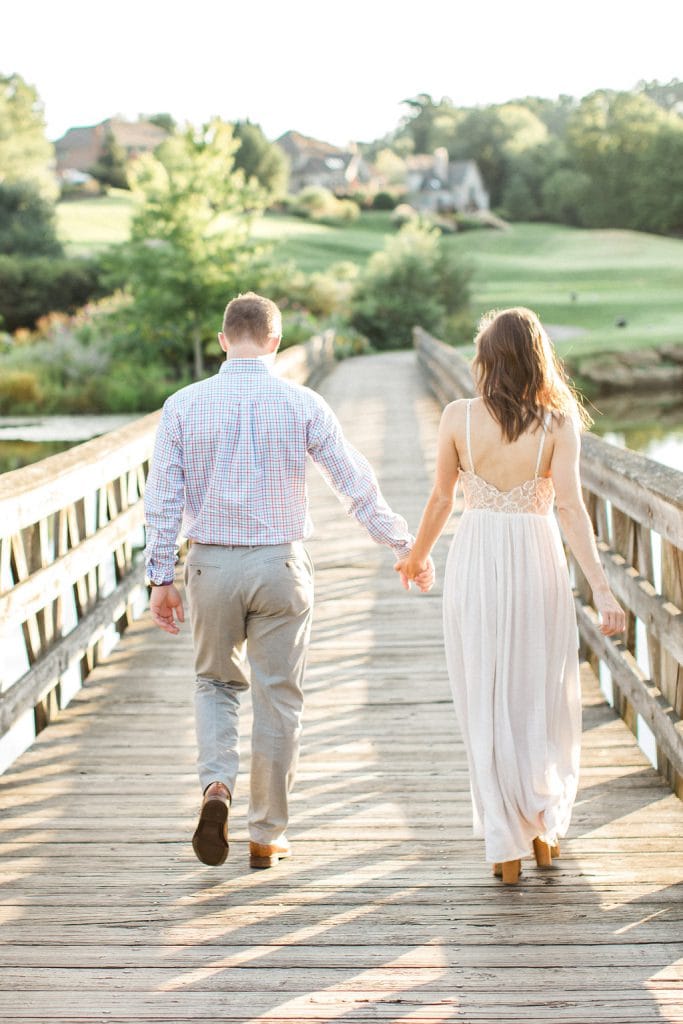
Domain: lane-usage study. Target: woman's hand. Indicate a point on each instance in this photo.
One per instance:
(421, 573)
(613, 618)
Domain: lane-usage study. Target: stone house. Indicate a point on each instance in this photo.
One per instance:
(313, 162)
(438, 185)
(80, 148)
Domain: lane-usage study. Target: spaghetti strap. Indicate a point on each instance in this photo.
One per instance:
(469, 448)
(540, 447)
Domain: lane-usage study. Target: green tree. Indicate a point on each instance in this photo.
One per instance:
(495, 136)
(260, 159)
(609, 138)
(413, 280)
(518, 200)
(25, 153)
(553, 113)
(111, 168)
(189, 248)
(428, 124)
(659, 205)
(668, 95)
(564, 195)
(27, 222)
(162, 120)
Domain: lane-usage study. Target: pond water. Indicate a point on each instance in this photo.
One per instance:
(651, 424)
(27, 439)
(647, 423)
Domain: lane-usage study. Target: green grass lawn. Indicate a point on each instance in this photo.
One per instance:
(613, 273)
(88, 225)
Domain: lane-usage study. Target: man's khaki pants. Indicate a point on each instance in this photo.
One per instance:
(250, 605)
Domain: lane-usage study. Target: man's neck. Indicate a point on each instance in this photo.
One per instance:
(245, 352)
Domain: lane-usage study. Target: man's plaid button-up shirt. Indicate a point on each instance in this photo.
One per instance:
(229, 464)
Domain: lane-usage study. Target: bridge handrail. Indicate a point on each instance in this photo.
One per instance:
(636, 506)
(72, 524)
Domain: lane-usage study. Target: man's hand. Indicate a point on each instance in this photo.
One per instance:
(421, 573)
(162, 604)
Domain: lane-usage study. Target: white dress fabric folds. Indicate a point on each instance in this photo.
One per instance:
(511, 648)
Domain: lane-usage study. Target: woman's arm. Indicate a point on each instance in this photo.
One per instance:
(576, 524)
(439, 505)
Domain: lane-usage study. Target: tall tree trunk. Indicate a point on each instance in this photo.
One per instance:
(198, 353)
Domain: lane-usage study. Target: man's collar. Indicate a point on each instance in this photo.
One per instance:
(244, 365)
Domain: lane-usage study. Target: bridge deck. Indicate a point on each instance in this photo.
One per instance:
(387, 911)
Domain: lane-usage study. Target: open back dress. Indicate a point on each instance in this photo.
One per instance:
(512, 653)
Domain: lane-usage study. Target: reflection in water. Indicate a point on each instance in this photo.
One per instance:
(647, 423)
(15, 454)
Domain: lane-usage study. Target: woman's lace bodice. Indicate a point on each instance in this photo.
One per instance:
(534, 496)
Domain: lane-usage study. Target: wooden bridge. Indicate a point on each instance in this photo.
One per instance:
(387, 911)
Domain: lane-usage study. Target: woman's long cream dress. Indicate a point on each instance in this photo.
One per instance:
(511, 647)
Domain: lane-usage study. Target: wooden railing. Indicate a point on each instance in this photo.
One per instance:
(636, 506)
(71, 570)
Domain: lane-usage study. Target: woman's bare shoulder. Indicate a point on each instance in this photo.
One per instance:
(455, 411)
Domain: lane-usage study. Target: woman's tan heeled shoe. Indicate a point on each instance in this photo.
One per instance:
(509, 871)
(544, 853)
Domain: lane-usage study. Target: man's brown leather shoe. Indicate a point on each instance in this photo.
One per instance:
(210, 840)
(267, 855)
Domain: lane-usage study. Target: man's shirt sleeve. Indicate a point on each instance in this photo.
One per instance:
(351, 477)
(164, 499)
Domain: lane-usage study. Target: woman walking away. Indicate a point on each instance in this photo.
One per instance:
(509, 620)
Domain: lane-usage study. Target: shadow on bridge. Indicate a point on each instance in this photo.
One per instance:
(387, 911)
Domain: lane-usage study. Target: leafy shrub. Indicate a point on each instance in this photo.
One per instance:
(20, 392)
(128, 388)
(348, 342)
(384, 201)
(326, 293)
(31, 286)
(413, 280)
(297, 327)
(27, 222)
(321, 205)
(404, 213)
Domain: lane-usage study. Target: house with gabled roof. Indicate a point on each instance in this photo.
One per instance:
(438, 185)
(80, 148)
(314, 162)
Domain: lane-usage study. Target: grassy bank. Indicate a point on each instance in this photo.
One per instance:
(574, 278)
(611, 274)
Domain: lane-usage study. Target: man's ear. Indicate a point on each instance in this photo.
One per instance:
(274, 342)
(223, 341)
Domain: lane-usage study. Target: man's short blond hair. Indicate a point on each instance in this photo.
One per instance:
(252, 316)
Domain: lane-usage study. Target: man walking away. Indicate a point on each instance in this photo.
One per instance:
(229, 464)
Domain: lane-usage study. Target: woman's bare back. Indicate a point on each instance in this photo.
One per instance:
(504, 464)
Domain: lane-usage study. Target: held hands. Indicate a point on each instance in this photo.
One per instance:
(613, 618)
(163, 602)
(421, 573)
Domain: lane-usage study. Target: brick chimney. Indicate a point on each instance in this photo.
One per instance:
(441, 163)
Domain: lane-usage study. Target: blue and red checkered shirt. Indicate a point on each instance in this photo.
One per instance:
(229, 464)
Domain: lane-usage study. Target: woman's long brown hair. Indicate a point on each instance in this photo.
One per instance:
(519, 375)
